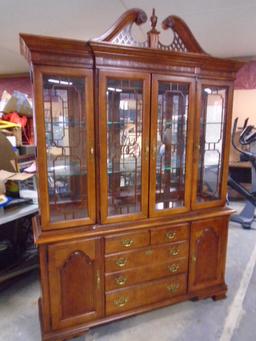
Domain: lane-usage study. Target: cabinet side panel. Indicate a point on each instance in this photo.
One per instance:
(44, 301)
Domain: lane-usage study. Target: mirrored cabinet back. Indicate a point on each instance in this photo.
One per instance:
(133, 143)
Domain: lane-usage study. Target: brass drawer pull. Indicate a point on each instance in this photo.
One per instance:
(170, 235)
(174, 267)
(121, 262)
(121, 301)
(121, 280)
(127, 242)
(173, 287)
(174, 251)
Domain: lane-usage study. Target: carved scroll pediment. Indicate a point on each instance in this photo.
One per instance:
(121, 33)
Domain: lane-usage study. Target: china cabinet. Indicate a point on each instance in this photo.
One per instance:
(132, 144)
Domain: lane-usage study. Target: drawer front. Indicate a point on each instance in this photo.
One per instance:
(151, 255)
(170, 234)
(138, 275)
(118, 301)
(126, 241)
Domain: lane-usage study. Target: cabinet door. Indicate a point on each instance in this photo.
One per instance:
(75, 281)
(207, 253)
(171, 144)
(65, 146)
(124, 150)
(211, 150)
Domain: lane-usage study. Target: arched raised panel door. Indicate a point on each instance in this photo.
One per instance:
(207, 253)
(75, 281)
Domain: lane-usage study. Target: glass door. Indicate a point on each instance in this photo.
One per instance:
(65, 142)
(171, 147)
(124, 151)
(214, 105)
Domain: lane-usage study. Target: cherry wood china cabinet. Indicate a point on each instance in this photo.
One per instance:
(133, 143)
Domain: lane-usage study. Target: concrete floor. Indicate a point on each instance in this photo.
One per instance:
(231, 319)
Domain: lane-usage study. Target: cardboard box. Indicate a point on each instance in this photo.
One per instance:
(6, 176)
(8, 158)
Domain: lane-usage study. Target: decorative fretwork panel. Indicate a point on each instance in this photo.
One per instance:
(176, 45)
(171, 144)
(124, 145)
(125, 38)
(212, 124)
(65, 127)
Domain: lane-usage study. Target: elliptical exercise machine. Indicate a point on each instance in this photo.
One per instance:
(247, 137)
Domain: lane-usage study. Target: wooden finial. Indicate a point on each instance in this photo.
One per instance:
(153, 34)
(153, 20)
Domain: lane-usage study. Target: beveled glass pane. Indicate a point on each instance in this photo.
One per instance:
(211, 143)
(124, 145)
(171, 144)
(65, 126)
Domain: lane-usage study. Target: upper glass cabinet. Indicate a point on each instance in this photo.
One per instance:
(124, 146)
(169, 145)
(211, 139)
(68, 157)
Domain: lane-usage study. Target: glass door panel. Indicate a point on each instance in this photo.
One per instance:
(211, 143)
(67, 138)
(169, 137)
(126, 150)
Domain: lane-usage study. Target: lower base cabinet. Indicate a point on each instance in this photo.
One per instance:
(92, 279)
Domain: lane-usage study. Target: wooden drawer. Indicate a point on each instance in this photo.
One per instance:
(126, 241)
(169, 234)
(146, 256)
(126, 278)
(121, 300)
